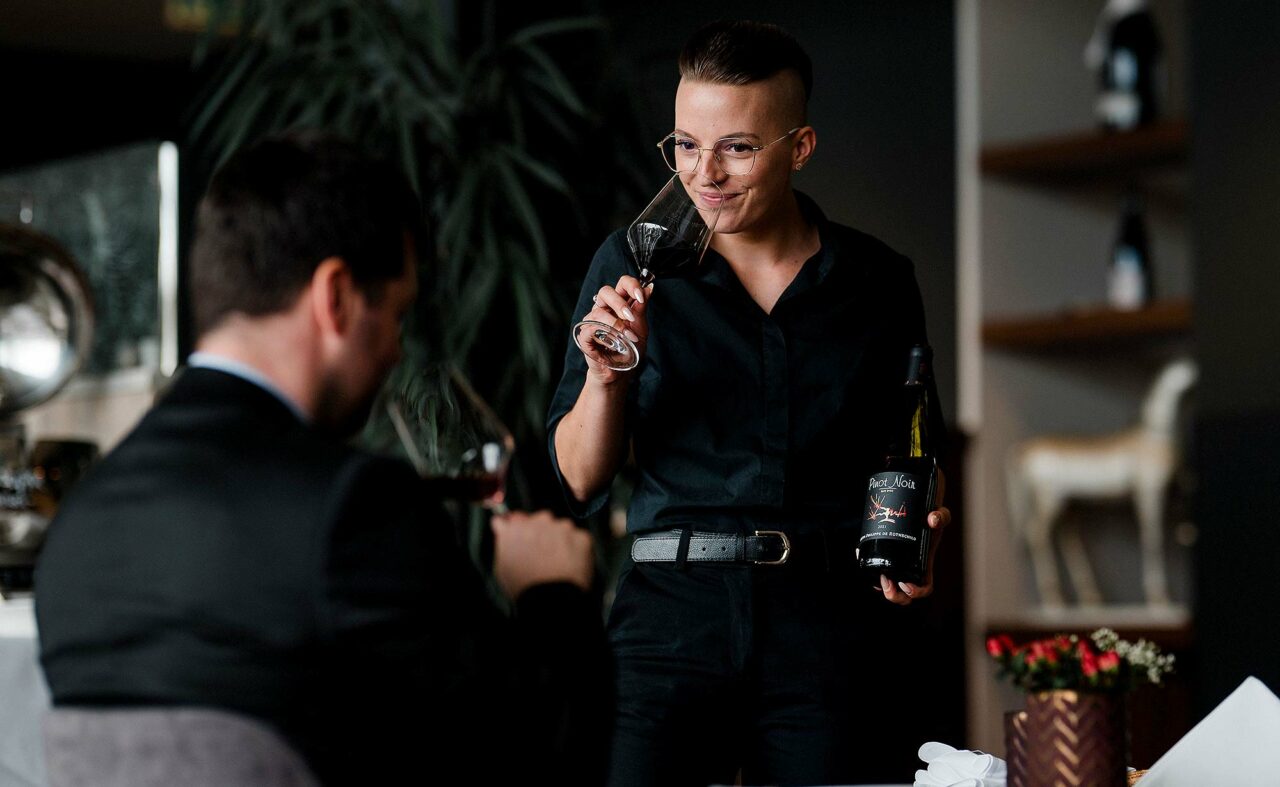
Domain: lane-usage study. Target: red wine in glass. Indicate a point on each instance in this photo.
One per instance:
(456, 443)
(486, 490)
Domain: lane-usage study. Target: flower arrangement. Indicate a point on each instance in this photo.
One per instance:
(1103, 662)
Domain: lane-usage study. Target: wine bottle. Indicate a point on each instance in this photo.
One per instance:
(895, 533)
(1131, 71)
(1129, 284)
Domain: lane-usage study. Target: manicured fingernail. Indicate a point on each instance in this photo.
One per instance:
(631, 336)
(906, 589)
(628, 315)
(639, 296)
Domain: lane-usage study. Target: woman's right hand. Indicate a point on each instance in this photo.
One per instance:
(623, 306)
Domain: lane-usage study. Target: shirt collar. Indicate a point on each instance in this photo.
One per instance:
(715, 269)
(221, 363)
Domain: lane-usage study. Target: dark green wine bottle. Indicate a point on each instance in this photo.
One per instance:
(895, 533)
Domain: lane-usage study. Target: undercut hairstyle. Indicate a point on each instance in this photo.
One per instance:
(742, 52)
(278, 208)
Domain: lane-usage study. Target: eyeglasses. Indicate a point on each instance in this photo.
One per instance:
(735, 155)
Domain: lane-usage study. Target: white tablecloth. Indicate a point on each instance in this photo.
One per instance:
(23, 698)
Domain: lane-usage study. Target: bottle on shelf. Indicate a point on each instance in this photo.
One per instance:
(895, 534)
(1130, 283)
(1126, 53)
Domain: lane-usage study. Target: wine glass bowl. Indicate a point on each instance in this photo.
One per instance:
(669, 237)
(451, 436)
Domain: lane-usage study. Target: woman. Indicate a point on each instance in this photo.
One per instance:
(755, 416)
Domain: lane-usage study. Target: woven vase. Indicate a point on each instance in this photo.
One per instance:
(1074, 739)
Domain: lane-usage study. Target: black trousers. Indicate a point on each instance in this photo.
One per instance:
(784, 672)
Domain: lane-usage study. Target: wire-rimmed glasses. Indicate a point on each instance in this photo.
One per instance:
(735, 155)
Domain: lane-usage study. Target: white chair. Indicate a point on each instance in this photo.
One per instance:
(163, 747)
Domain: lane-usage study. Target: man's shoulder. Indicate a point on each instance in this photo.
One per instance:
(208, 432)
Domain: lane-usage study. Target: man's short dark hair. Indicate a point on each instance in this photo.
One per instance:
(742, 52)
(275, 210)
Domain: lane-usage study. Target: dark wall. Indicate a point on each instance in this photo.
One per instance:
(60, 104)
(1236, 179)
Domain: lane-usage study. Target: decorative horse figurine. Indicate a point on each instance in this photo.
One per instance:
(1043, 473)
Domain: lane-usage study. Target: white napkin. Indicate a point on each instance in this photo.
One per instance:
(951, 767)
(1236, 744)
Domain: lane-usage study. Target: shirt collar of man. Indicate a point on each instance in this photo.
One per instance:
(208, 360)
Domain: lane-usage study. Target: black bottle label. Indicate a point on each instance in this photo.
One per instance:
(896, 507)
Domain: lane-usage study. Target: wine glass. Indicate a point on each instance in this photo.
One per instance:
(452, 437)
(669, 235)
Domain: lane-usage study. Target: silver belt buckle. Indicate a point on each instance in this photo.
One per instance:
(786, 548)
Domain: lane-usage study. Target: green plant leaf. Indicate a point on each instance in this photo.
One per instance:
(541, 172)
(556, 27)
(554, 81)
(518, 198)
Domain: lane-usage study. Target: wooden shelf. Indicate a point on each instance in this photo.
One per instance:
(1091, 155)
(1088, 328)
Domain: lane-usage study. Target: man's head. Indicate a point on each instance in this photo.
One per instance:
(752, 81)
(303, 241)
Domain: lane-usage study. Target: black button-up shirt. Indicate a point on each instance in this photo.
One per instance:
(740, 418)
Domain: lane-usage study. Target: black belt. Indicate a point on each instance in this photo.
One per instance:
(762, 547)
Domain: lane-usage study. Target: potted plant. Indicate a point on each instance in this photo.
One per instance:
(1074, 726)
(511, 130)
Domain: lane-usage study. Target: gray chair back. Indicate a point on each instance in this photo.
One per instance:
(163, 747)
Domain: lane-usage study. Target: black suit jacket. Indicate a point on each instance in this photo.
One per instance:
(228, 555)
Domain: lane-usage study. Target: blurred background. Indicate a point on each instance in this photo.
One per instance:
(968, 135)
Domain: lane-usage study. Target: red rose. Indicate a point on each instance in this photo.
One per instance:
(1088, 663)
(1083, 649)
(1109, 661)
(1006, 642)
(995, 648)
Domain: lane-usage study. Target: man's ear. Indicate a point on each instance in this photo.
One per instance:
(332, 296)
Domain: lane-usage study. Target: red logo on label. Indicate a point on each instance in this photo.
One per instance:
(884, 514)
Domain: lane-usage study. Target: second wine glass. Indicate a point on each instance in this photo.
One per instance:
(457, 444)
(668, 236)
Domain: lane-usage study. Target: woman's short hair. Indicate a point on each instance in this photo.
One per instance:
(742, 52)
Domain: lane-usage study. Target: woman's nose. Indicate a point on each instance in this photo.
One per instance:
(709, 167)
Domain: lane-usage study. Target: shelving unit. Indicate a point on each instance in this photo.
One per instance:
(1088, 329)
(1041, 195)
(1090, 155)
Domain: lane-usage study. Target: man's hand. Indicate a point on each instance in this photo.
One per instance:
(534, 549)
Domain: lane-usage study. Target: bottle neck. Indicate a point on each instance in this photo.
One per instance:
(918, 443)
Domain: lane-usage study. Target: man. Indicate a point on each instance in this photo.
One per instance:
(234, 553)
(742, 637)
